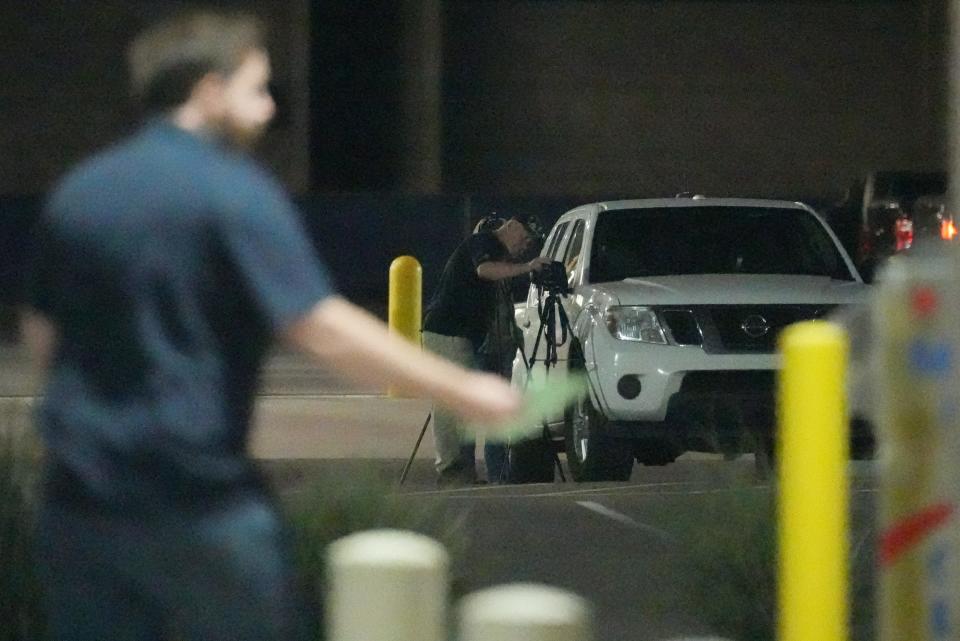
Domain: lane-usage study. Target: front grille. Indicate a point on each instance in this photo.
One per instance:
(728, 382)
(682, 326)
(755, 328)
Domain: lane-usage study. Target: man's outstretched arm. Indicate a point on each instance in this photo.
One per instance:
(499, 270)
(359, 346)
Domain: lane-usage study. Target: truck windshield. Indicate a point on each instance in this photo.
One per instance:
(712, 240)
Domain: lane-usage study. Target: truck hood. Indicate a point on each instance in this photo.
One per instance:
(731, 289)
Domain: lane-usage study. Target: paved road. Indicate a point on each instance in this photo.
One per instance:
(640, 552)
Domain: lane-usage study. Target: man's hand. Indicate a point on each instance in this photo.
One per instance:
(488, 400)
(498, 269)
(541, 401)
(538, 263)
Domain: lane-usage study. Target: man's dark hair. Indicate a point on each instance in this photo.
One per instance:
(168, 59)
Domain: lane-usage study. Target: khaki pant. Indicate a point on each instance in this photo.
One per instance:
(455, 448)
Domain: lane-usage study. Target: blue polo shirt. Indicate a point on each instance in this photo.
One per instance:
(168, 264)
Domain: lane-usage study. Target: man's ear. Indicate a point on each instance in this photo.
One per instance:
(207, 93)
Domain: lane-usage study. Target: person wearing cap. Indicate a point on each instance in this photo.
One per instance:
(457, 321)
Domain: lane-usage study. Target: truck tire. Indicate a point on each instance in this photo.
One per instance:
(592, 454)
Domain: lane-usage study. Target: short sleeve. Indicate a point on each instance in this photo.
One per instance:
(270, 252)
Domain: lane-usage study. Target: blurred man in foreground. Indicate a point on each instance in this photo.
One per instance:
(166, 266)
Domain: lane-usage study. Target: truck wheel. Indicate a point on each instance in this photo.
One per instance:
(592, 455)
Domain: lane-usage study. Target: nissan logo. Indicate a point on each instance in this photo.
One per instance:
(755, 326)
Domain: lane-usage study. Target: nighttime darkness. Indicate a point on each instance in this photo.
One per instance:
(479, 320)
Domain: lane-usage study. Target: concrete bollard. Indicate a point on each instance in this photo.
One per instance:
(386, 585)
(524, 612)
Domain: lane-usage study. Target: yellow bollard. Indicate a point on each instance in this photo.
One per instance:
(405, 303)
(813, 444)
(406, 294)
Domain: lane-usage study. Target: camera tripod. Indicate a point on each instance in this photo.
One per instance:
(416, 447)
(550, 312)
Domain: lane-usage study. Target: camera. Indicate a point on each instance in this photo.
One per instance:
(553, 278)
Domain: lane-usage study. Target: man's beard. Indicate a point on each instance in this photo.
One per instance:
(240, 136)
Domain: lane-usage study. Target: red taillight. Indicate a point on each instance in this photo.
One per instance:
(866, 244)
(948, 230)
(903, 233)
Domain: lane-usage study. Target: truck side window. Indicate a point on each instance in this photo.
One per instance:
(555, 241)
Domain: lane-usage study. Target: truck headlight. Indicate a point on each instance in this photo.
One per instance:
(635, 324)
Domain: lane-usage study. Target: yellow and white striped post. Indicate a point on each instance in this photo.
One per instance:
(916, 316)
(813, 443)
(405, 302)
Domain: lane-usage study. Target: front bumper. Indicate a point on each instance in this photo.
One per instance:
(673, 376)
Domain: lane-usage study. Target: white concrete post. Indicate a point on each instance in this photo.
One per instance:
(524, 612)
(386, 585)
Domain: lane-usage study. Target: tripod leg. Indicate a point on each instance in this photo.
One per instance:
(556, 461)
(416, 447)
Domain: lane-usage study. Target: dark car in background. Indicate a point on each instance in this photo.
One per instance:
(890, 212)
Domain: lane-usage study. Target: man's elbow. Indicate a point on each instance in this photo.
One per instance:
(303, 331)
(316, 332)
(487, 271)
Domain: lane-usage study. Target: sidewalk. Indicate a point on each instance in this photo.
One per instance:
(373, 427)
(302, 412)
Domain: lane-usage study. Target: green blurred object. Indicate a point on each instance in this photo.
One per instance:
(540, 400)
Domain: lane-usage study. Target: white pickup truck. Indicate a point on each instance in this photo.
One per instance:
(674, 310)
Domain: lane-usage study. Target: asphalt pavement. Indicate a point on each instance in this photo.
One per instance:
(658, 557)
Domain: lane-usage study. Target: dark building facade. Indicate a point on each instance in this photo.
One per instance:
(524, 96)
